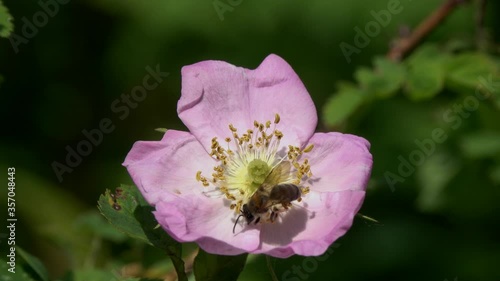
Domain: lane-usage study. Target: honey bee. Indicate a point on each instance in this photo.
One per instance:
(271, 196)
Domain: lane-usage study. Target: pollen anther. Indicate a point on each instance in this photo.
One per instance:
(245, 162)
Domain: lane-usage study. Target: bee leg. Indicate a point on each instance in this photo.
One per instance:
(274, 216)
(257, 220)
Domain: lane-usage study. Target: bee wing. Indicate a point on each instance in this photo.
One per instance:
(265, 188)
(279, 174)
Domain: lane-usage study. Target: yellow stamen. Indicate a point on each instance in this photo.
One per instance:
(246, 160)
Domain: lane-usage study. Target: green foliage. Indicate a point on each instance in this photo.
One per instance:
(6, 25)
(495, 175)
(95, 223)
(127, 210)
(343, 104)
(426, 73)
(52, 223)
(433, 178)
(99, 275)
(425, 80)
(384, 80)
(463, 70)
(483, 144)
(208, 267)
(19, 275)
(34, 263)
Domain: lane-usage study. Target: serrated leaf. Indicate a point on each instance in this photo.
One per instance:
(341, 105)
(208, 267)
(121, 213)
(481, 144)
(424, 80)
(6, 25)
(34, 263)
(129, 212)
(384, 80)
(426, 70)
(463, 70)
(18, 275)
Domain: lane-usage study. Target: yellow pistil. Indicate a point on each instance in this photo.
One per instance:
(247, 160)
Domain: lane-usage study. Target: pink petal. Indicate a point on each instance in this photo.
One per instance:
(339, 162)
(276, 88)
(309, 231)
(168, 166)
(206, 221)
(216, 94)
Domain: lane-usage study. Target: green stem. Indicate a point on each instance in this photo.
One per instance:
(271, 270)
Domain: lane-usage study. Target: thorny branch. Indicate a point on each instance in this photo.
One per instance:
(404, 45)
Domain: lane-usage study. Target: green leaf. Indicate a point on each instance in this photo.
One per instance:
(425, 80)
(127, 210)
(427, 52)
(6, 25)
(426, 72)
(384, 81)
(463, 70)
(481, 145)
(342, 105)
(34, 263)
(18, 275)
(95, 223)
(208, 267)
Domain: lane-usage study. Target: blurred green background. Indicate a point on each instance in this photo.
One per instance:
(442, 222)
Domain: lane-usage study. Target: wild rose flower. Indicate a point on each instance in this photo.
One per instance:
(243, 124)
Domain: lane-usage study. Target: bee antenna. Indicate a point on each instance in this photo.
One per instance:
(236, 222)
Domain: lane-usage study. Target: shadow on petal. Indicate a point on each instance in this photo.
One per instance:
(281, 233)
(218, 247)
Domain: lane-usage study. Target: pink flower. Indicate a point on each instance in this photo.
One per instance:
(244, 125)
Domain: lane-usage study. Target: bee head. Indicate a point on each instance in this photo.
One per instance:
(245, 212)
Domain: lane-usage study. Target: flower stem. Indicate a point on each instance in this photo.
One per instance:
(271, 270)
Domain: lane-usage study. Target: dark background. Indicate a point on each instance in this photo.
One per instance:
(65, 78)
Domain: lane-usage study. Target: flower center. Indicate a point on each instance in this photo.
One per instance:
(257, 171)
(247, 163)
